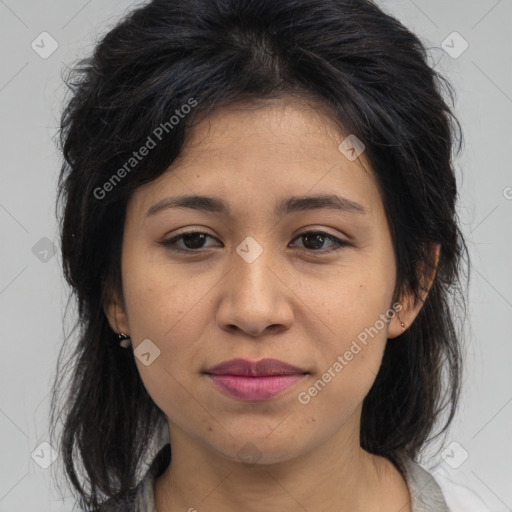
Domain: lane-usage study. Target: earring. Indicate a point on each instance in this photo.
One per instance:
(124, 340)
(401, 323)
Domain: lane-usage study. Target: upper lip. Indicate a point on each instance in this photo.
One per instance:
(261, 368)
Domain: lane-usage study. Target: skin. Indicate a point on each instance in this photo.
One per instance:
(291, 303)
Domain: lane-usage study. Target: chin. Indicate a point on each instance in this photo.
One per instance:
(262, 450)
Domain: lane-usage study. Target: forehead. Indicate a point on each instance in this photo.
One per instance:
(264, 124)
(260, 153)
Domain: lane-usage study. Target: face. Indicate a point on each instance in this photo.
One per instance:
(302, 283)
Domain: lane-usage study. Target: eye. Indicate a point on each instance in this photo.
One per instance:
(193, 242)
(315, 240)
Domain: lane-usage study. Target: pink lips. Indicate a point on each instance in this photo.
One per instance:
(255, 381)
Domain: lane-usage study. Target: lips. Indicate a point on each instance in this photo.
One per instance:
(246, 368)
(255, 381)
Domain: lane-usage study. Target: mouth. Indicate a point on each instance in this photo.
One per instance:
(253, 381)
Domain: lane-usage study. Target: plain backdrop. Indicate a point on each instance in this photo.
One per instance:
(33, 293)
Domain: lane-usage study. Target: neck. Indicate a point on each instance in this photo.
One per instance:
(337, 476)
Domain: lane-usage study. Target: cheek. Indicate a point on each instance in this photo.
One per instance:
(335, 393)
(167, 314)
(355, 334)
(172, 320)
(353, 303)
(160, 298)
(172, 308)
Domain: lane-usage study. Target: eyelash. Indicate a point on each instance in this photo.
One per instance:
(171, 243)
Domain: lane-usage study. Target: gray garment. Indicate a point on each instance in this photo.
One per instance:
(426, 495)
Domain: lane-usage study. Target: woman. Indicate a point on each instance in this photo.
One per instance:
(259, 226)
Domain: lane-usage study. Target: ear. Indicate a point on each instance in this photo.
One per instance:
(410, 304)
(115, 312)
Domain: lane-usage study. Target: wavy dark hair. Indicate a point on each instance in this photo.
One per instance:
(372, 76)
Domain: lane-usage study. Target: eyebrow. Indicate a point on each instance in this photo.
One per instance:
(285, 206)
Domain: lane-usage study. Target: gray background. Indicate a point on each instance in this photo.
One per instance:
(33, 293)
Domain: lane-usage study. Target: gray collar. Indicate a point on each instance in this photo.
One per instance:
(426, 495)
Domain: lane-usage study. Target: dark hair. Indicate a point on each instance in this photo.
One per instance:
(372, 76)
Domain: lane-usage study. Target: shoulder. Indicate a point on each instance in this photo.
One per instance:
(436, 492)
(426, 494)
(458, 491)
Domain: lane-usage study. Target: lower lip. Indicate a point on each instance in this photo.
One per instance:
(255, 389)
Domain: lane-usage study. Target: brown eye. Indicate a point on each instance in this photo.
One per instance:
(314, 240)
(192, 242)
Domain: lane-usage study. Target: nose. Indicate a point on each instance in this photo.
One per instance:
(255, 297)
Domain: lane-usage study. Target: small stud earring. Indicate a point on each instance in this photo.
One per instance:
(124, 340)
(401, 323)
